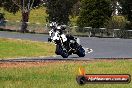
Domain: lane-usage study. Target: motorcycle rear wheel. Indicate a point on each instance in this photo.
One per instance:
(81, 52)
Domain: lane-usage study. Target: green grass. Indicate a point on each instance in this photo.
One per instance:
(62, 74)
(13, 48)
(36, 15)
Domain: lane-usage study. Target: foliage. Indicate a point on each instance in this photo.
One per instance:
(9, 6)
(117, 22)
(116, 6)
(59, 10)
(36, 16)
(2, 16)
(24, 5)
(127, 9)
(94, 13)
(15, 5)
(76, 9)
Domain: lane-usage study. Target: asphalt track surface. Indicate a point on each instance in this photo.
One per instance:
(102, 47)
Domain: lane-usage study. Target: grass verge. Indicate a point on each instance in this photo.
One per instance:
(60, 74)
(36, 15)
(14, 48)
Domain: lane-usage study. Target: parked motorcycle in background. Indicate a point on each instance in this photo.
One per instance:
(65, 44)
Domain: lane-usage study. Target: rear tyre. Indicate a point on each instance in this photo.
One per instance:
(81, 52)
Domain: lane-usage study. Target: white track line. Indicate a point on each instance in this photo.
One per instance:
(88, 50)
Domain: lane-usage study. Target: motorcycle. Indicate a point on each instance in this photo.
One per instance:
(65, 44)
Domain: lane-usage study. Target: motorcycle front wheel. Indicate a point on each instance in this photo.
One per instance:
(61, 51)
(64, 54)
(58, 50)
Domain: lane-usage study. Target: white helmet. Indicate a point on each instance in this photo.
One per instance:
(59, 27)
(53, 24)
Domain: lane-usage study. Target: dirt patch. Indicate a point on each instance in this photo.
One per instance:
(39, 64)
(22, 64)
(35, 64)
(28, 64)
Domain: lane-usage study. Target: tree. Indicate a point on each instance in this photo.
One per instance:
(24, 5)
(9, 6)
(127, 11)
(127, 8)
(59, 10)
(76, 8)
(94, 13)
(116, 7)
(117, 22)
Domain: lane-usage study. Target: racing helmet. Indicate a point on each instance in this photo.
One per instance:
(53, 24)
(59, 27)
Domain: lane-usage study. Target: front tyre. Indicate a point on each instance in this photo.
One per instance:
(81, 52)
(58, 50)
(64, 54)
(61, 51)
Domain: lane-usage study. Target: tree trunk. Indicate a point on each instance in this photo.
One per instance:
(25, 17)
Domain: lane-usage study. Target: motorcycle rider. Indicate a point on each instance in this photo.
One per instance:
(53, 26)
(57, 29)
(65, 44)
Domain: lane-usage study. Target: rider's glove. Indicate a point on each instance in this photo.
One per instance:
(49, 39)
